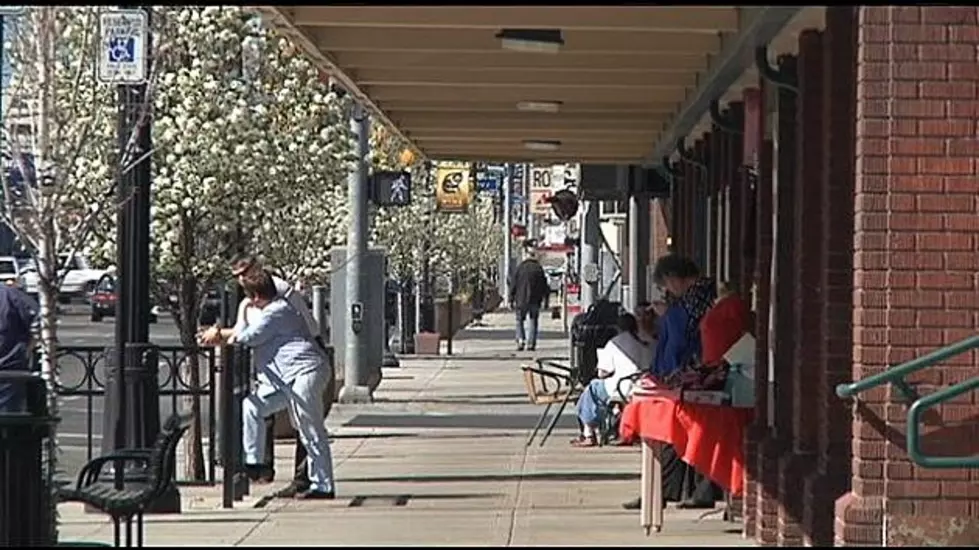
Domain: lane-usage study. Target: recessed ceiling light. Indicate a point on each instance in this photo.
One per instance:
(542, 145)
(531, 40)
(539, 106)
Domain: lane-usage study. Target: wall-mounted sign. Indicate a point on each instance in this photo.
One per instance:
(453, 186)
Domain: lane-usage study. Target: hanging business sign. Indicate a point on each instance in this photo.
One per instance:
(541, 189)
(453, 186)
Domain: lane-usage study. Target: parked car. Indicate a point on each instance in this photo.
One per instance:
(9, 269)
(79, 278)
(103, 300)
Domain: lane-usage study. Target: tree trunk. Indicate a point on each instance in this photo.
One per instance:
(189, 304)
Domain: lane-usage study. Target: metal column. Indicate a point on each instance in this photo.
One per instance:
(355, 388)
(590, 243)
(639, 234)
(507, 236)
(529, 215)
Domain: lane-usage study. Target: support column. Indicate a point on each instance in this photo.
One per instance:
(590, 246)
(355, 386)
(781, 321)
(639, 234)
(916, 248)
(507, 236)
(715, 214)
(832, 477)
(808, 292)
(736, 183)
(752, 157)
(699, 213)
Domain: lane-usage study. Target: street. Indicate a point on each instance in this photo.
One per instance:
(82, 415)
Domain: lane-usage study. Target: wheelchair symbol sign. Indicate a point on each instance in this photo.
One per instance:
(124, 38)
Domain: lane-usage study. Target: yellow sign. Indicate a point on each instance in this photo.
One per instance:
(453, 186)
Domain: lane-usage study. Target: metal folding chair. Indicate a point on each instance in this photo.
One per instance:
(550, 383)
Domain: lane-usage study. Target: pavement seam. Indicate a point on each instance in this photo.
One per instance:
(516, 497)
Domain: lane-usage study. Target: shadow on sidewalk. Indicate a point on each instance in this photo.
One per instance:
(456, 421)
(498, 334)
(528, 476)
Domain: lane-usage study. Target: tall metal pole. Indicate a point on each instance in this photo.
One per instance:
(639, 232)
(529, 203)
(590, 242)
(507, 235)
(355, 389)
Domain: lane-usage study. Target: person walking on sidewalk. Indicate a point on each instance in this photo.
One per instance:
(528, 292)
(295, 376)
(248, 314)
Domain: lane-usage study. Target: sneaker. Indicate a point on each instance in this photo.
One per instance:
(532, 347)
(519, 346)
(313, 494)
(259, 473)
(293, 489)
(635, 504)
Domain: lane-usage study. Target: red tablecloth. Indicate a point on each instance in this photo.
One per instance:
(710, 438)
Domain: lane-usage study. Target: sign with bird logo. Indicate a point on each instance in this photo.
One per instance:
(453, 186)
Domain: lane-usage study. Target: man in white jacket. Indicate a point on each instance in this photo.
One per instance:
(248, 315)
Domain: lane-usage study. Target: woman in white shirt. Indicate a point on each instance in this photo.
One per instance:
(621, 357)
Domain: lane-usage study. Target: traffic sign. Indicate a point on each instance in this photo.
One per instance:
(125, 37)
(391, 188)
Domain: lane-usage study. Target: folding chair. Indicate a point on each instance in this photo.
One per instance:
(548, 383)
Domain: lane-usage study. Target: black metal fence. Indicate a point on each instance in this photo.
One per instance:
(83, 373)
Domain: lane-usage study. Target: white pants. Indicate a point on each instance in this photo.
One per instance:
(304, 399)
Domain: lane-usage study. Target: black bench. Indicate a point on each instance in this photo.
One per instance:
(133, 498)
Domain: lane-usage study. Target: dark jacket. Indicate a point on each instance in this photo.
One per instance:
(18, 313)
(529, 287)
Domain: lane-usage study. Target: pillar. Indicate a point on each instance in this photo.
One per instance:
(715, 213)
(753, 145)
(831, 478)
(804, 265)
(356, 369)
(737, 183)
(639, 234)
(782, 309)
(916, 248)
(590, 246)
(699, 205)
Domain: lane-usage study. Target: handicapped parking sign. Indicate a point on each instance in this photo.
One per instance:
(124, 41)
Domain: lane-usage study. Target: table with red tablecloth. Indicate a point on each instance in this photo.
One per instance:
(708, 437)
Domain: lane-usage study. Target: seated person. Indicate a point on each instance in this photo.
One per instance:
(621, 357)
(679, 335)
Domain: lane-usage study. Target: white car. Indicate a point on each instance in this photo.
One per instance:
(79, 279)
(9, 269)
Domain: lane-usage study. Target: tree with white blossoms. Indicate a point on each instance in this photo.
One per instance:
(61, 137)
(310, 150)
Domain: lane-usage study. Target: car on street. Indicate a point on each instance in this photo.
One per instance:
(79, 279)
(9, 270)
(103, 300)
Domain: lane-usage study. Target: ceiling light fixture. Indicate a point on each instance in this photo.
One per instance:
(542, 145)
(539, 106)
(531, 40)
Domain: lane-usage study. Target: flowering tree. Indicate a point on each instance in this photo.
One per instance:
(310, 149)
(62, 155)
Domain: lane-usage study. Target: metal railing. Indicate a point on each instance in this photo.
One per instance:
(919, 405)
(236, 379)
(83, 372)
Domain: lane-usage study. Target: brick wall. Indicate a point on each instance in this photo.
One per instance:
(915, 258)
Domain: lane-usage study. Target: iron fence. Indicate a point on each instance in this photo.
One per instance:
(83, 372)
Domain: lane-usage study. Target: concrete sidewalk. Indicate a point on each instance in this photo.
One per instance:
(439, 459)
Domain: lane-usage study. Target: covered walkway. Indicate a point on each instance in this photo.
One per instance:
(439, 459)
(820, 159)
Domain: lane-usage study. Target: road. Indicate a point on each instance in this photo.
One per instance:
(82, 415)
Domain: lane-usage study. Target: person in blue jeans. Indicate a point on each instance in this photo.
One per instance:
(528, 292)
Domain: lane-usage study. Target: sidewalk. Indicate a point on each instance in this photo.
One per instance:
(439, 459)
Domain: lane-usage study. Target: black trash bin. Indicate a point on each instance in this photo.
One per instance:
(590, 330)
(25, 484)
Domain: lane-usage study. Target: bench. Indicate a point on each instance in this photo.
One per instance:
(550, 382)
(133, 498)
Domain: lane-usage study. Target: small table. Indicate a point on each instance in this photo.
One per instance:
(699, 433)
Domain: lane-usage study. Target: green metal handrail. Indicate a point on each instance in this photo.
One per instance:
(915, 412)
(896, 375)
(921, 404)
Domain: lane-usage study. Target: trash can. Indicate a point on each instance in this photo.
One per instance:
(25, 482)
(590, 330)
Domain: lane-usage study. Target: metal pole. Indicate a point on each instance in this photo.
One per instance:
(321, 302)
(528, 204)
(639, 233)
(507, 236)
(589, 254)
(355, 389)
